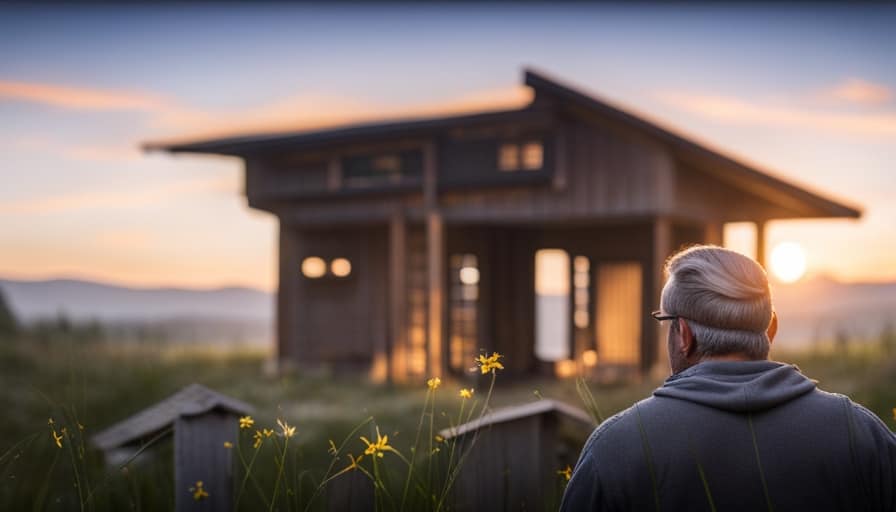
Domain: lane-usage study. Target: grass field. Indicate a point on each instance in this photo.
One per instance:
(97, 384)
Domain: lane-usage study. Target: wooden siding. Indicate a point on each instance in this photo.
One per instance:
(607, 175)
(338, 321)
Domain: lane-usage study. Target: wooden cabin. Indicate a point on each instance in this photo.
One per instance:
(408, 247)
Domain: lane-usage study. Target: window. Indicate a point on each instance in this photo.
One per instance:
(527, 156)
(315, 267)
(552, 304)
(382, 169)
(341, 267)
(463, 306)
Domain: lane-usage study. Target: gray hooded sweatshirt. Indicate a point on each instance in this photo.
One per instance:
(726, 436)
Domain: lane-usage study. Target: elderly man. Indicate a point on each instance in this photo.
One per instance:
(731, 430)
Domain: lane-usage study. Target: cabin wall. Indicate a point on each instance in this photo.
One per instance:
(602, 172)
(337, 322)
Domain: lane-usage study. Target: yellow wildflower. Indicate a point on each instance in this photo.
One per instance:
(198, 492)
(287, 430)
(268, 432)
(379, 447)
(228, 444)
(353, 462)
(246, 422)
(439, 439)
(567, 472)
(434, 383)
(80, 426)
(50, 421)
(57, 438)
(466, 393)
(258, 437)
(332, 449)
(490, 363)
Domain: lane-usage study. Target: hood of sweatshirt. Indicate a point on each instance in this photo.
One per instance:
(737, 386)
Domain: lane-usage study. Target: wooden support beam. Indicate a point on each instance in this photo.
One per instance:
(287, 294)
(714, 233)
(398, 297)
(760, 242)
(662, 246)
(435, 249)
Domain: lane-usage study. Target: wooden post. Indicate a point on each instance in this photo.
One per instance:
(289, 275)
(662, 240)
(760, 242)
(398, 297)
(435, 248)
(714, 233)
(200, 456)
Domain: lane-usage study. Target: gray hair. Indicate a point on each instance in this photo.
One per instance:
(724, 297)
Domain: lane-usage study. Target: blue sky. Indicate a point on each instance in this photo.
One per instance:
(806, 90)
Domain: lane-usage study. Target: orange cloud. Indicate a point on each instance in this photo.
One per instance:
(316, 111)
(738, 111)
(79, 97)
(307, 110)
(856, 90)
(136, 198)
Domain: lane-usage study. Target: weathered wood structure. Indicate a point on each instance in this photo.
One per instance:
(515, 454)
(408, 247)
(201, 421)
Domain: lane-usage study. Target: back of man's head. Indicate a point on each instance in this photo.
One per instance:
(724, 296)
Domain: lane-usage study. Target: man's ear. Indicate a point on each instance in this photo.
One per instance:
(772, 327)
(687, 337)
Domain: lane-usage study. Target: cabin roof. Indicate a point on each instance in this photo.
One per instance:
(516, 412)
(192, 400)
(746, 176)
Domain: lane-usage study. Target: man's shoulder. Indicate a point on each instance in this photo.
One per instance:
(624, 424)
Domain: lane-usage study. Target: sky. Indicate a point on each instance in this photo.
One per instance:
(807, 91)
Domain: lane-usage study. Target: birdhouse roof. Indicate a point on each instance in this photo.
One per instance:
(192, 400)
(516, 412)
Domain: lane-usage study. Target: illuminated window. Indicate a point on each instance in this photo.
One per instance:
(552, 304)
(341, 267)
(533, 156)
(464, 297)
(314, 267)
(509, 157)
(528, 156)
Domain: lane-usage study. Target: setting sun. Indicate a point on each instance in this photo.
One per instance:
(788, 261)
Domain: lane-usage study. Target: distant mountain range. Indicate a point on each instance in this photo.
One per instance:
(810, 311)
(232, 314)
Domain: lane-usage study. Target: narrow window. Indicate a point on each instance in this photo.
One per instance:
(464, 300)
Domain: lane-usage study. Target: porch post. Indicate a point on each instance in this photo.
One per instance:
(760, 242)
(662, 240)
(435, 248)
(398, 297)
(287, 295)
(714, 233)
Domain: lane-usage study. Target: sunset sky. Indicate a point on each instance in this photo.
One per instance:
(806, 91)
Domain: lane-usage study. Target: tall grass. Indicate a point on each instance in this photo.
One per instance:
(88, 384)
